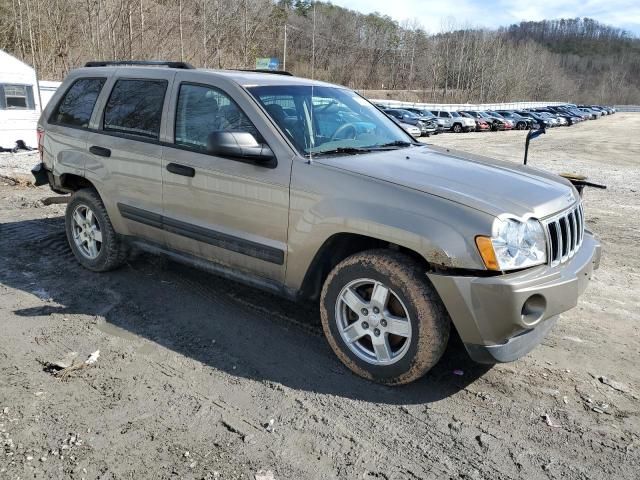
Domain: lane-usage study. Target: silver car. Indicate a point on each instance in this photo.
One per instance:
(307, 190)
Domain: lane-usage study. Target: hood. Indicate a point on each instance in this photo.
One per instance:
(485, 184)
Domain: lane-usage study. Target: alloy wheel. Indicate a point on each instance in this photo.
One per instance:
(373, 322)
(86, 232)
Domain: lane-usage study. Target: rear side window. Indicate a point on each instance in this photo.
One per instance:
(77, 105)
(135, 107)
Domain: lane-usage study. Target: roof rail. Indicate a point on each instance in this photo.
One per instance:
(140, 63)
(264, 70)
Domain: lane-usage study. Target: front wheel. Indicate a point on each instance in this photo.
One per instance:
(457, 128)
(382, 317)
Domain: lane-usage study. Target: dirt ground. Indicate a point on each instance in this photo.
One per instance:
(202, 378)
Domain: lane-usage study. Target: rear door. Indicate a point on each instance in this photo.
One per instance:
(228, 210)
(126, 151)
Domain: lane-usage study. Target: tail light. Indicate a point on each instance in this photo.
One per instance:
(40, 134)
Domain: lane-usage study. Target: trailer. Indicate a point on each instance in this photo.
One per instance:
(19, 102)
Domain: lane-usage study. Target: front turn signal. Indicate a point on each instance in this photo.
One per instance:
(485, 247)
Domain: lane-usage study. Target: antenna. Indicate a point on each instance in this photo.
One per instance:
(312, 142)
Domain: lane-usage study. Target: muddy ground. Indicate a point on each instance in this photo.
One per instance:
(202, 378)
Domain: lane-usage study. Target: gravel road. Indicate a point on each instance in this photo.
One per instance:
(202, 378)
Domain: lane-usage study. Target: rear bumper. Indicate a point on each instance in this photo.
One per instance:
(501, 318)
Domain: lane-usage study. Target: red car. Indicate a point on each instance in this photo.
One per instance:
(508, 125)
(481, 125)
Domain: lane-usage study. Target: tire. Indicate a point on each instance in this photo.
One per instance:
(457, 128)
(520, 126)
(413, 309)
(109, 252)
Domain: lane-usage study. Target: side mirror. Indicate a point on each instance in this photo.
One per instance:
(240, 145)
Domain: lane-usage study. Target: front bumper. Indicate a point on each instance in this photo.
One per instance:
(492, 314)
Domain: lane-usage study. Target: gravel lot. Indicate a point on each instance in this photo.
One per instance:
(202, 378)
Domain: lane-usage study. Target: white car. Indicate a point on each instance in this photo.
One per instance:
(455, 122)
(411, 129)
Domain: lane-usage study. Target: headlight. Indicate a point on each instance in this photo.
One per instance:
(514, 244)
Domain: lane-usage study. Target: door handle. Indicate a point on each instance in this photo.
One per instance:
(181, 170)
(100, 151)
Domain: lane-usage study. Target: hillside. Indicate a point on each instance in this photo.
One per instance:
(578, 60)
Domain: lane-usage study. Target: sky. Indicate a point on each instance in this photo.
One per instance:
(434, 15)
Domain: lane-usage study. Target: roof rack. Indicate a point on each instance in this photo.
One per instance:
(264, 70)
(140, 63)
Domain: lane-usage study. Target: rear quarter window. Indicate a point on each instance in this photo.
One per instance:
(77, 105)
(135, 107)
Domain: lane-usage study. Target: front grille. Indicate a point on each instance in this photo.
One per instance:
(565, 233)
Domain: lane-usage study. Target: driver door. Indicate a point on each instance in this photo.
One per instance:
(227, 210)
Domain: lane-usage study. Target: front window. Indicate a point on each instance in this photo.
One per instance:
(323, 119)
(202, 110)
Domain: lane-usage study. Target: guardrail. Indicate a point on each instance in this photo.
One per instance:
(452, 107)
(627, 108)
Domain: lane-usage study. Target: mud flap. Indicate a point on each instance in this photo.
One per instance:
(40, 174)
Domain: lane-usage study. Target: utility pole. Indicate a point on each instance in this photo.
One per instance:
(181, 35)
(204, 32)
(284, 55)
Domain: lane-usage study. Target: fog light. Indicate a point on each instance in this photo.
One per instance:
(533, 309)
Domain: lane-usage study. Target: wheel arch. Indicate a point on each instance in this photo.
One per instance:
(338, 247)
(71, 182)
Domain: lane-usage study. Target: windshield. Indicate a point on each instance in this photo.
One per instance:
(424, 113)
(337, 120)
(408, 114)
(455, 114)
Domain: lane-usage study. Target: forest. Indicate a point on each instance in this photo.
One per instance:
(578, 60)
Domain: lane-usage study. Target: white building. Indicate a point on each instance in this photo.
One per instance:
(19, 102)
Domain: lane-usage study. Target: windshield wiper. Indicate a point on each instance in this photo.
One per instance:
(395, 143)
(345, 150)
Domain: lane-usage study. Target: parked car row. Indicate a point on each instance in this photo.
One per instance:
(422, 122)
